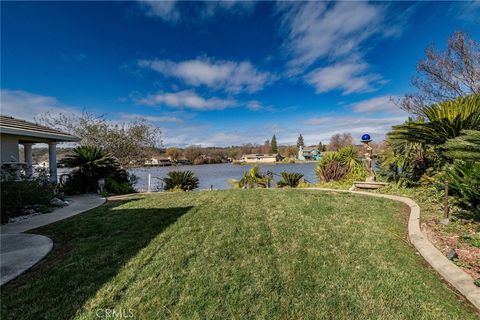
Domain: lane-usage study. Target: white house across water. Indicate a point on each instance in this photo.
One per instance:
(14, 132)
(261, 158)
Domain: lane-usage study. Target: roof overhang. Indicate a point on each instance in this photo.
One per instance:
(36, 136)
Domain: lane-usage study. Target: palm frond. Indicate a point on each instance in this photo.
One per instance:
(464, 147)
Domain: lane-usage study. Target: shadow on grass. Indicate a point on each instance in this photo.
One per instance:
(89, 249)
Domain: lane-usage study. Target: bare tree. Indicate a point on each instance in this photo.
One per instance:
(340, 140)
(266, 147)
(291, 151)
(174, 153)
(131, 143)
(193, 152)
(445, 75)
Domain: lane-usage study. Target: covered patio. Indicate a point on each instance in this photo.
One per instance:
(16, 131)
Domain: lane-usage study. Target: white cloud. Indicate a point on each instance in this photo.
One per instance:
(27, 106)
(346, 121)
(335, 36)
(227, 75)
(166, 10)
(254, 105)
(238, 7)
(348, 77)
(378, 104)
(174, 11)
(313, 130)
(320, 30)
(322, 128)
(467, 10)
(187, 99)
(162, 119)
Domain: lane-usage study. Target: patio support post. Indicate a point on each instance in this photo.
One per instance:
(27, 149)
(52, 161)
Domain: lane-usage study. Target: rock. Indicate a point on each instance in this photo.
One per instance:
(58, 203)
(28, 211)
(445, 221)
(452, 254)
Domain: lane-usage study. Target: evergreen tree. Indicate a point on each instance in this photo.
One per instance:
(321, 147)
(273, 145)
(300, 141)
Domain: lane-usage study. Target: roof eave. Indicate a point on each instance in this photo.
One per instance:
(44, 135)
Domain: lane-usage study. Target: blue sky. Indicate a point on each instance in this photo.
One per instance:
(223, 73)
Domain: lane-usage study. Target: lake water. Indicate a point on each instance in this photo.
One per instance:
(219, 174)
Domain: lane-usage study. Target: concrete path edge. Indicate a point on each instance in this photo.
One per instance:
(448, 271)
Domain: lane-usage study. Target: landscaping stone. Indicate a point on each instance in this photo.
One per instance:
(23, 217)
(452, 254)
(58, 203)
(445, 221)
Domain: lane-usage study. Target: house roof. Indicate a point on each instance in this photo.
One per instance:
(29, 131)
(310, 149)
(254, 155)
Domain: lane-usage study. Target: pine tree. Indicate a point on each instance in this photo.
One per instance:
(300, 141)
(273, 145)
(321, 147)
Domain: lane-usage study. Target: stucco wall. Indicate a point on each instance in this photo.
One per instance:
(9, 148)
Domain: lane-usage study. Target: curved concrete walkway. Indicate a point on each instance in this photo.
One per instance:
(449, 271)
(20, 251)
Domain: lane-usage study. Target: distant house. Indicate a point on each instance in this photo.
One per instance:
(158, 161)
(308, 153)
(183, 160)
(261, 158)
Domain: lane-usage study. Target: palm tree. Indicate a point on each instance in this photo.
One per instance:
(91, 163)
(184, 180)
(251, 179)
(464, 147)
(290, 179)
(441, 122)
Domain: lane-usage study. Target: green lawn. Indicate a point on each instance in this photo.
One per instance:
(242, 254)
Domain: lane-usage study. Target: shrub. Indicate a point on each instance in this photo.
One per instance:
(340, 165)
(91, 163)
(17, 194)
(290, 179)
(464, 185)
(120, 183)
(252, 178)
(406, 163)
(184, 180)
